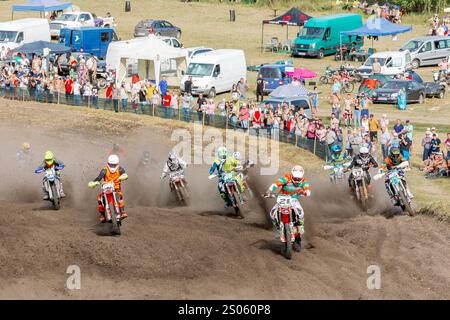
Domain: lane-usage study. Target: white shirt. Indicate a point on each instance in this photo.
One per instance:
(76, 88)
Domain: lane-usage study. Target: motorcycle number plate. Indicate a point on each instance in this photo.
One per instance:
(284, 202)
(108, 186)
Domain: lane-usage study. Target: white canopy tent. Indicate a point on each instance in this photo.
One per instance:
(152, 57)
(447, 10)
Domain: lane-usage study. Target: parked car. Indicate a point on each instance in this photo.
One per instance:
(432, 89)
(392, 63)
(171, 41)
(71, 20)
(427, 51)
(298, 102)
(15, 33)
(157, 27)
(415, 92)
(274, 75)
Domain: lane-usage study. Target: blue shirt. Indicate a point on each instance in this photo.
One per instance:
(398, 128)
(163, 87)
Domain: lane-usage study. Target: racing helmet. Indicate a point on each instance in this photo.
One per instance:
(364, 152)
(237, 155)
(222, 153)
(173, 157)
(113, 163)
(394, 155)
(297, 174)
(336, 149)
(49, 158)
(26, 146)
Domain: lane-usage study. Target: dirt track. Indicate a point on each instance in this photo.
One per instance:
(197, 252)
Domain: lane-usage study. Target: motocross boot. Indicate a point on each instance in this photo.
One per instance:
(297, 244)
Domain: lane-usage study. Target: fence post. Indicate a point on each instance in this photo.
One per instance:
(23, 95)
(153, 109)
(315, 139)
(296, 140)
(203, 118)
(179, 114)
(89, 101)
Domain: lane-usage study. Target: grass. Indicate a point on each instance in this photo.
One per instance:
(207, 24)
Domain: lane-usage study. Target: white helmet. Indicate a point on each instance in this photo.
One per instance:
(364, 152)
(297, 174)
(113, 163)
(237, 155)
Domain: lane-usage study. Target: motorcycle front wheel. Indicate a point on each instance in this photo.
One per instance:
(114, 221)
(406, 206)
(288, 243)
(55, 200)
(237, 203)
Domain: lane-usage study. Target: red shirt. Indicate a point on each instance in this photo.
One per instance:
(257, 117)
(69, 85)
(109, 92)
(167, 100)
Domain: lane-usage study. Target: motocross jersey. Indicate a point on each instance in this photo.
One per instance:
(107, 175)
(389, 164)
(287, 187)
(56, 164)
(224, 166)
(173, 167)
(339, 159)
(365, 164)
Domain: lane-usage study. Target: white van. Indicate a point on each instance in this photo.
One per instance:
(392, 63)
(15, 33)
(215, 71)
(428, 51)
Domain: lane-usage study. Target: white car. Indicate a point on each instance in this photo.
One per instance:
(391, 62)
(172, 41)
(71, 20)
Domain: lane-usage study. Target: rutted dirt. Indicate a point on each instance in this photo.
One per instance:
(197, 252)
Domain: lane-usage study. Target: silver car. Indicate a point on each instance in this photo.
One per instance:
(427, 51)
(156, 27)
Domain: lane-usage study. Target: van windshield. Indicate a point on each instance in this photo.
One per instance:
(369, 62)
(8, 36)
(311, 32)
(412, 46)
(199, 69)
(272, 73)
(67, 17)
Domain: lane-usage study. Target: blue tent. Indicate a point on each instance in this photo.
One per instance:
(41, 6)
(377, 27)
(38, 47)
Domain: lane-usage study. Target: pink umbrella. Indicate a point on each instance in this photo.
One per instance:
(302, 73)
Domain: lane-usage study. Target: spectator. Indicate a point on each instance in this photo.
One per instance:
(242, 88)
(373, 128)
(436, 165)
(384, 122)
(336, 104)
(365, 124)
(115, 97)
(376, 66)
(77, 92)
(187, 105)
(398, 127)
(68, 83)
(447, 146)
(395, 141)
(123, 96)
(357, 114)
(234, 93)
(409, 129)
(330, 140)
(385, 138)
(405, 145)
(163, 87)
(167, 99)
(259, 88)
(244, 116)
(201, 102)
(210, 112)
(435, 143)
(143, 97)
(426, 144)
(188, 85)
(355, 141)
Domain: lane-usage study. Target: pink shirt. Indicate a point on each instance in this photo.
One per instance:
(243, 114)
(211, 108)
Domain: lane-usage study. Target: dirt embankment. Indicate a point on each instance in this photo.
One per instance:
(196, 252)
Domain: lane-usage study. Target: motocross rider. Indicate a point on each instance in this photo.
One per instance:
(393, 160)
(244, 164)
(24, 153)
(292, 184)
(226, 164)
(111, 172)
(337, 156)
(51, 162)
(174, 164)
(363, 160)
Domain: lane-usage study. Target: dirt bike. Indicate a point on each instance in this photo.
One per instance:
(394, 178)
(232, 191)
(289, 231)
(243, 175)
(178, 184)
(359, 186)
(110, 200)
(338, 173)
(329, 72)
(105, 78)
(52, 185)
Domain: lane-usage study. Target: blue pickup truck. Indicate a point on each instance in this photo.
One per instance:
(88, 39)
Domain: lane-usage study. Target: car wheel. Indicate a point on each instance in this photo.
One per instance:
(415, 64)
(421, 98)
(212, 93)
(178, 35)
(321, 54)
(441, 94)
